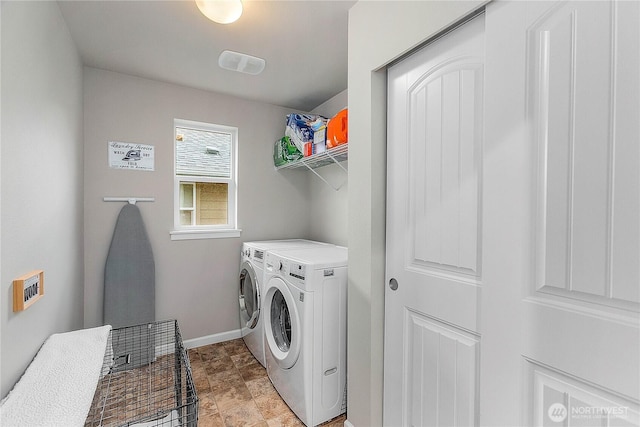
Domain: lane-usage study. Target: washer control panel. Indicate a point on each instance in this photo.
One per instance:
(296, 270)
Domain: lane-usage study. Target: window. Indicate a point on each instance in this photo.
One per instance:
(205, 180)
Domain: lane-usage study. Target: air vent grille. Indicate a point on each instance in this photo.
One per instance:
(241, 62)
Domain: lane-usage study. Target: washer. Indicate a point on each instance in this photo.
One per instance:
(252, 286)
(305, 329)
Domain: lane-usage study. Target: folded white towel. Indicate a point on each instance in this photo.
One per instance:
(58, 386)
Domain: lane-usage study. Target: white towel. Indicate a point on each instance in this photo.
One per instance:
(58, 386)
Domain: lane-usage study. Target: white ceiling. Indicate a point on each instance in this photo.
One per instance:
(303, 42)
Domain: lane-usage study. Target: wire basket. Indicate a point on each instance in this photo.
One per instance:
(146, 379)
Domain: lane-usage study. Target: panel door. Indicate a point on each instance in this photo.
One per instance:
(517, 279)
(433, 266)
(561, 186)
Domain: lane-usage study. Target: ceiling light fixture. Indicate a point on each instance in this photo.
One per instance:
(221, 11)
(241, 62)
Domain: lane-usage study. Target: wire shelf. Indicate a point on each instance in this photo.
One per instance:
(334, 155)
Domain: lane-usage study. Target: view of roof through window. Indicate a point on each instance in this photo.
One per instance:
(203, 153)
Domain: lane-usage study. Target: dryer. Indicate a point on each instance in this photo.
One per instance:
(251, 289)
(305, 329)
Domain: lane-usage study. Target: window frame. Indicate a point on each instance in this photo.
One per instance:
(193, 208)
(188, 232)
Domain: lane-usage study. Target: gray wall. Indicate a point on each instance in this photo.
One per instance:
(328, 206)
(412, 24)
(41, 176)
(196, 280)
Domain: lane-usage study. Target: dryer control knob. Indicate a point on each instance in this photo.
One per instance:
(279, 265)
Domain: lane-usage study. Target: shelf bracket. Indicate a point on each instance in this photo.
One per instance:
(323, 179)
(131, 200)
(336, 162)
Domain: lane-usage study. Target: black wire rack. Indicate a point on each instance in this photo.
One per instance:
(146, 380)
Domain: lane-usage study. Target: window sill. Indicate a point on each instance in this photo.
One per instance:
(204, 234)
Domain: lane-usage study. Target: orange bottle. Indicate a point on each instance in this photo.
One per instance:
(338, 129)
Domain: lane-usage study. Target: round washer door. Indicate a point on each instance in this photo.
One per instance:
(282, 327)
(249, 296)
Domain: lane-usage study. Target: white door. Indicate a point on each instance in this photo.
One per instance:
(433, 232)
(249, 298)
(561, 191)
(543, 329)
(282, 327)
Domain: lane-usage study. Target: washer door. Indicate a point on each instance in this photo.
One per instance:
(282, 327)
(249, 297)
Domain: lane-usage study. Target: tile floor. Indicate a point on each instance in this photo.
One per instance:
(234, 389)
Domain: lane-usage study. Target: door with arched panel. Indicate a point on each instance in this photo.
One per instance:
(513, 221)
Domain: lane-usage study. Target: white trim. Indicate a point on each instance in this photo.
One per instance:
(193, 207)
(204, 234)
(347, 423)
(212, 339)
(195, 125)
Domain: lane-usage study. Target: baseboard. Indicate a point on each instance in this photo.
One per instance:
(347, 423)
(212, 339)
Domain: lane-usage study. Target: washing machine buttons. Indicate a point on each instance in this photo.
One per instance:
(297, 271)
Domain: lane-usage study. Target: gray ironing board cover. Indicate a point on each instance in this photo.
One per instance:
(129, 275)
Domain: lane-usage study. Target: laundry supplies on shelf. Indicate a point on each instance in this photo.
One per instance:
(285, 151)
(313, 150)
(338, 129)
(308, 132)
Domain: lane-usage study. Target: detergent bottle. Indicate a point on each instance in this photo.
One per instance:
(337, 129)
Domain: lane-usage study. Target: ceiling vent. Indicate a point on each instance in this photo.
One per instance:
(241, 62)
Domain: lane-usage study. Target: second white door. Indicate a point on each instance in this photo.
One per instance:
(434, 228)
(513, 254)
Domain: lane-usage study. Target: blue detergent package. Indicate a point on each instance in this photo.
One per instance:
(302, 127)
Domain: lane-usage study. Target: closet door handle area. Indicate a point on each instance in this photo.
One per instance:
(393, 284)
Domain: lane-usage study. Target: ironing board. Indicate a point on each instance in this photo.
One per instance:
(129, 285)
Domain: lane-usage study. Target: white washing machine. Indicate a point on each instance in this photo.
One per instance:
(306, 329)
(251, 290)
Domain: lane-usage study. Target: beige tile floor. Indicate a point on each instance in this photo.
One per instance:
(234, 389)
